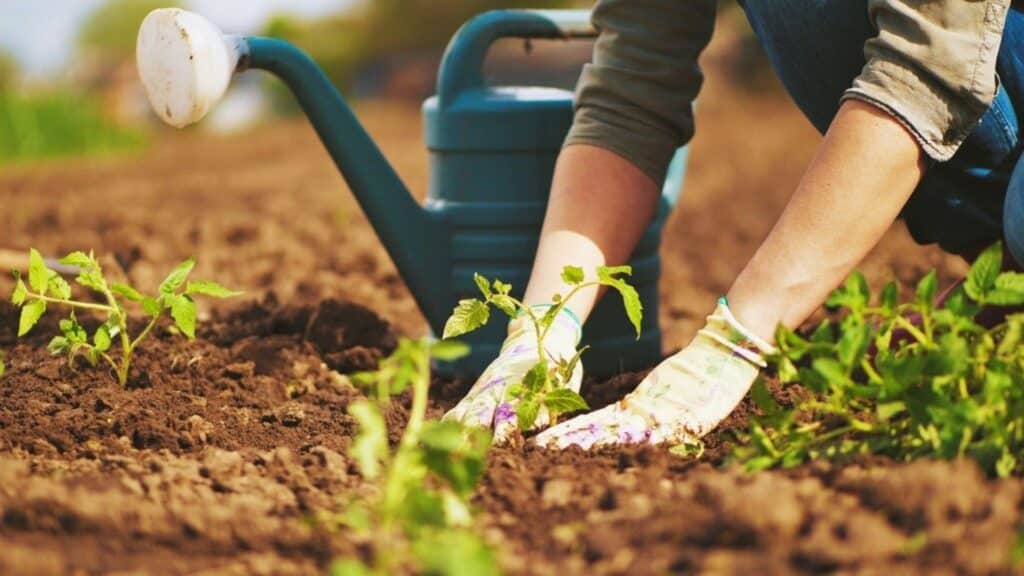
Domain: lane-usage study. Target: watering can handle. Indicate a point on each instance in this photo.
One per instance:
(462, 66)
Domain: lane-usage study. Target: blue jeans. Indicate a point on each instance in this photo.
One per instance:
(965, 204)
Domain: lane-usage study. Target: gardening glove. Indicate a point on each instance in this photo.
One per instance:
(487, 404)
(683, 398)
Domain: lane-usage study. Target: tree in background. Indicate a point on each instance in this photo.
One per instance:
(378, 29)
(8, 71)
(109, 32)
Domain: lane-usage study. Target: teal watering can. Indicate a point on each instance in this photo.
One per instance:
(492, 156)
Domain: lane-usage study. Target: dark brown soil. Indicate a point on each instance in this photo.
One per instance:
(221, 449)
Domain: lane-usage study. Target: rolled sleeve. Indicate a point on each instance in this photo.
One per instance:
(635, 98)
(933, 67)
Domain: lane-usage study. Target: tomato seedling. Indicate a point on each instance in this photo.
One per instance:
(904, 380)
(544, 384)
(46, 287)
(418, 518)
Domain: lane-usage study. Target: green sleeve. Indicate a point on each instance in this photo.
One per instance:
(635, 98)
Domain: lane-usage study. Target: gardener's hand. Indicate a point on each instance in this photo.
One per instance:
(682, 399)
(488, 404)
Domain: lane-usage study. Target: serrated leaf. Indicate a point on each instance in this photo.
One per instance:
(92, 279)
(501, 287)
(468, 316)
(526, 413)
(79, 259)
(926, 290)
(449, 350)
(177, 277)
(20, 292)
(152, 306)
(58, 346)
(101, 339)
(536, 378)
(1002, 297)
(370, 447)
(483, 284)
(506, 304)
(38, 273)
(209, 288)
(564, 400)
(982, 276)
(630, 297)
(854, 293)
(183, 310)
(30, 315)
(572, 275)
(126, 291)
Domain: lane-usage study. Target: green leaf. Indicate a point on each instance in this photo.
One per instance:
(183, 310)
(454, 553)
(890, 296)
(101, 339)
(887, 410)
(80, 259)
(982, 276)
(831, 370)
(455, 453)
(527, 412)
(630, 297)
(536, 378)
(58, 346)
(92, 279)
(853, 344)
(501, 288)
(59, 287)
(468, 316)
(563, 401)
(126, 291)
(208, 288)
(449, 350)
(483, 284)
(572, 275)
(350, 567)
(177, 276)
(3, 367)
(854, 293)
(38, 273)
(152, 306)
(505, 303)
(1001, 297)
(370, 447)
(20, 292)
(30, 315)
(762, 397)
(926, 290)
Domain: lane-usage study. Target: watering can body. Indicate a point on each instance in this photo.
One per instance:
(492, 153)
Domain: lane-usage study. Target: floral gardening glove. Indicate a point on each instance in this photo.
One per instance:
(488, 403)
(683, 398)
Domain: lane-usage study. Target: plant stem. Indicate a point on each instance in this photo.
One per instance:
(72, 303)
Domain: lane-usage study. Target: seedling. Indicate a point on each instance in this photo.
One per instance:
(544, 384)
(46, 287)
(902, 380)
(418, 517)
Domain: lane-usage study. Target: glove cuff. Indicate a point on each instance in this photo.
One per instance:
(725, 329)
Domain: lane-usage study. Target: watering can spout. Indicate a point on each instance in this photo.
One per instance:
(186, 64)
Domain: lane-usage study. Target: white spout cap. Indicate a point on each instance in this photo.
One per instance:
(185, 64)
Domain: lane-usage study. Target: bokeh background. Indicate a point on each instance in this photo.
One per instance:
(251, 193)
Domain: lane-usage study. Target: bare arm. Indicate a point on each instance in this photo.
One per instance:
(865, 171)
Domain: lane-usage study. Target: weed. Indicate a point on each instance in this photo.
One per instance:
(418, 517)
(46, 287)
(544, 384)
(905, 380)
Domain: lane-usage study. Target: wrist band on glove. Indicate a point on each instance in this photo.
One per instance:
(742, 341)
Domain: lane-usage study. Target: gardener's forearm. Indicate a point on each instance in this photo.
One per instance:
(600, 205)
(865, 170)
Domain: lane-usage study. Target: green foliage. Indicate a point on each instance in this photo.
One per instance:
(46, 287)
(419, 517)
(110, 30)
(3, 367)
(343, 44)
(8, 71)
(544, 385)
(58, 124)
(941, 386)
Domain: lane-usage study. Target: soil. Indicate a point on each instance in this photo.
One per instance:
(215, 457)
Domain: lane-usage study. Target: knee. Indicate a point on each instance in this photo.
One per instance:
(1013, 215)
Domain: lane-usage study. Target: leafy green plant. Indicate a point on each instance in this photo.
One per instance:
(418, 517)
(544, 384)
(46, 287)
(3, 367)
(904, 380)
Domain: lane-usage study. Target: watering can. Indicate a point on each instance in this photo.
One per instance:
(492, 155)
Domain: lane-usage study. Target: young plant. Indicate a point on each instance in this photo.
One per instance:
(544, 384)
(46, 287)
(418, 518)
(902, 380)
